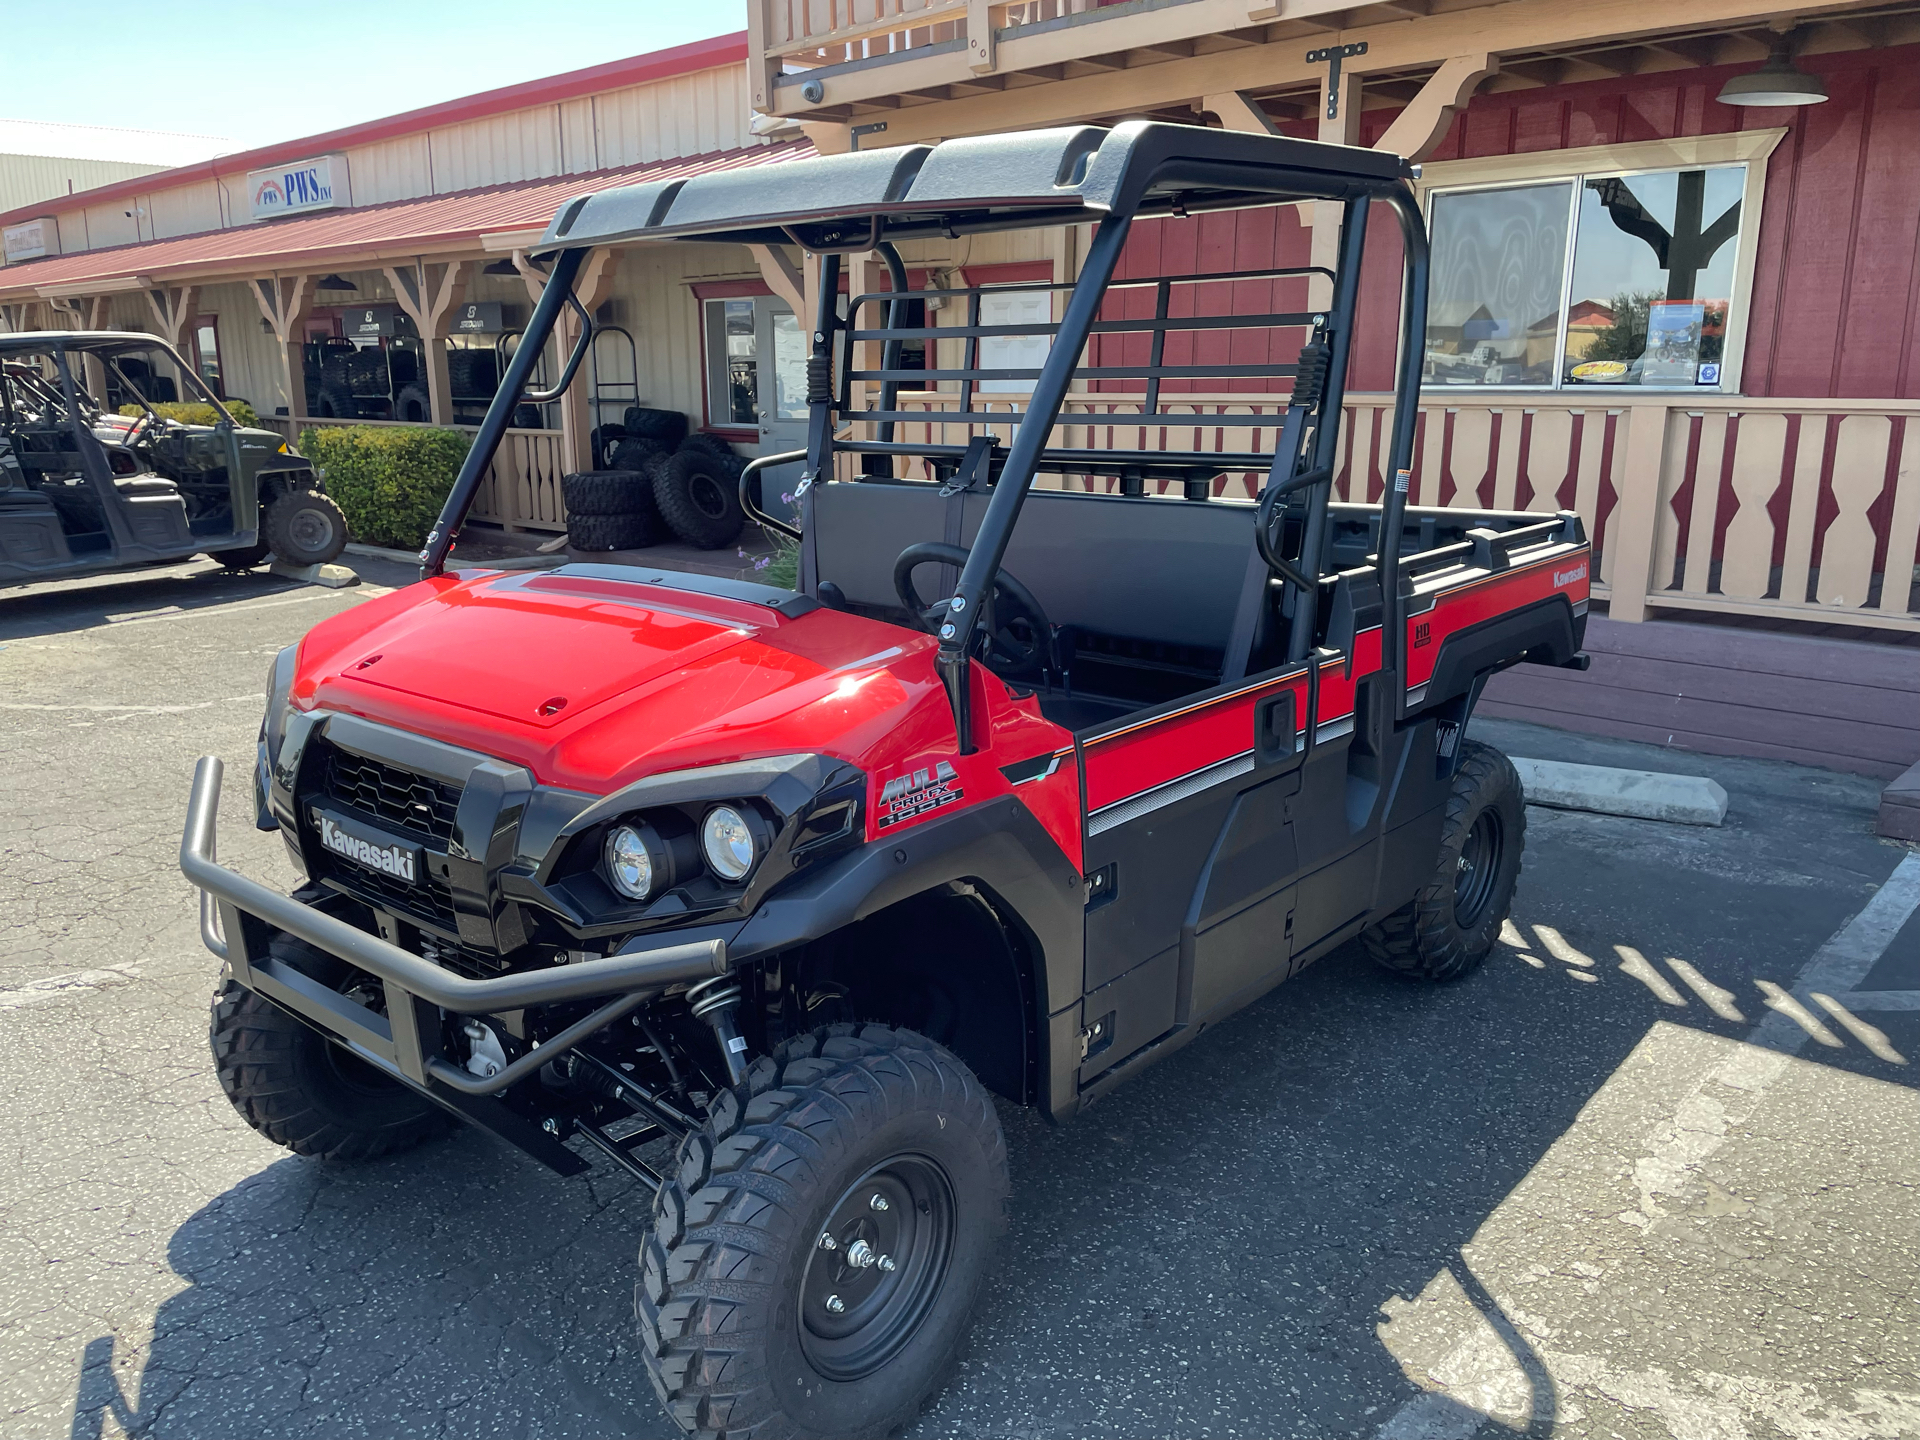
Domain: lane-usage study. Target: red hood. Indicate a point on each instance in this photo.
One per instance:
(592, 682)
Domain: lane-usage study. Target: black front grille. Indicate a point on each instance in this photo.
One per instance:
(398, 799)
(416, 806)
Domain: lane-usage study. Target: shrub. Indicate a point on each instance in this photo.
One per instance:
(194, 413)
(390, 483)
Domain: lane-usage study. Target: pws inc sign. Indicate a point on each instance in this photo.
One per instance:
(319, 184)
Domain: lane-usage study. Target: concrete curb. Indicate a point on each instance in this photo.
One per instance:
(334, 577)
(381, 552)
(1899, 817)
(1638, 794)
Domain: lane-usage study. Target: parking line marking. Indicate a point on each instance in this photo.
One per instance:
(1700, 1124)
(359, 592)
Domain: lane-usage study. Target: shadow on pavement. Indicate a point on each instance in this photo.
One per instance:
(1206, 1252)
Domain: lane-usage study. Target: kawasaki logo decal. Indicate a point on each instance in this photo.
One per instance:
(394, 860)
(1567, 577)
(907, 797)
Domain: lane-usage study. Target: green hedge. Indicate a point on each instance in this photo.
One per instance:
(390, 482)
(191, 412)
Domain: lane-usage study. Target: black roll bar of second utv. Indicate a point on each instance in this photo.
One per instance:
(557, 295)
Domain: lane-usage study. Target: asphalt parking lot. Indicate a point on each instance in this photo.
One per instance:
(1624, 1181)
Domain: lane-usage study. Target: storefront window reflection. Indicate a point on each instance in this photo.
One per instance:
(1593, 280)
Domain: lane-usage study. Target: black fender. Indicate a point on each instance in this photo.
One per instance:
(998, 845)
(1547, 632)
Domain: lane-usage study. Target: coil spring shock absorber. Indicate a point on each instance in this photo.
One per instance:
(713, 1001)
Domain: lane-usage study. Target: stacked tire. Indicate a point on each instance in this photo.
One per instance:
(614, 509)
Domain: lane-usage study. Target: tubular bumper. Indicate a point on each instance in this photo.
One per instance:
(405, 1039)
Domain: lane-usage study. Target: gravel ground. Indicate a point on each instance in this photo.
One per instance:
(1602, 1188)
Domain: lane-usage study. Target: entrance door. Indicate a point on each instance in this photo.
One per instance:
(757, 379)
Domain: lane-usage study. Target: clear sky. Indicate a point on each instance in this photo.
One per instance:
(261, 72)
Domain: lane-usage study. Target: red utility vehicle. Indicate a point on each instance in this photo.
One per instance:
(798, 879)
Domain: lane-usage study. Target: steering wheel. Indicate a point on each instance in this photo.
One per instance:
(1018, 634)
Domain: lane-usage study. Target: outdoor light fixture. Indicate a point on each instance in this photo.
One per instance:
(501, 267)
(335, 282)
(1775, 83)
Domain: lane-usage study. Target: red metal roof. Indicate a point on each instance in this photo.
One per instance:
(615, 75)
(401, 229)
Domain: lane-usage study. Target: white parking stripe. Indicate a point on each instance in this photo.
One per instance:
(1699, 1127)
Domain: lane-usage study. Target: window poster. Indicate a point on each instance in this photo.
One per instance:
(1673, 342)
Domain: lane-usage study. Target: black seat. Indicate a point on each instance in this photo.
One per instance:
(144, 487)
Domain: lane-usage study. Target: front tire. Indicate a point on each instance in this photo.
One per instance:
(304, 527)
(1450, 927)
(750, 1324)
(300, 1090)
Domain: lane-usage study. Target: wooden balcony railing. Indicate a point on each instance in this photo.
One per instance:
(872, 49)
(1800, 509)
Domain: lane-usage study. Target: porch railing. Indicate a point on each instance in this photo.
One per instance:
(1800, 509)
(522, 487)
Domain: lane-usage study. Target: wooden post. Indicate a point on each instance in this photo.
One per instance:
(285, 303)
(87, 313)
(1635, 530)
(430, 296)
(176, 314)
(1343, 129)
(592, 287)
(783, 277)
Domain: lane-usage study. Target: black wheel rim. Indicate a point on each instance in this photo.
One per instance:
(707, 496)
(876, 1267)
(1478, 869)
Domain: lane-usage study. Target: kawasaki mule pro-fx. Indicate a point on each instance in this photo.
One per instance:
(798, 880)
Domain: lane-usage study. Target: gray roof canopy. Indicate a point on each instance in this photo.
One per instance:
(1070, 175)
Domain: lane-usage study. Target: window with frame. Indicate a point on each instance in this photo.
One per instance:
(1596, 279)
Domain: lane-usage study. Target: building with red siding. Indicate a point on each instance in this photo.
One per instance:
(1696, 322)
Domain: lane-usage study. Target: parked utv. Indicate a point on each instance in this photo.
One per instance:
(83, 490)
(799, 880)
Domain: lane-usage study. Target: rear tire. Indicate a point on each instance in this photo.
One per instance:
(299, 1089)
(243, 558)
(1450, 927)
(699, 498)
(736, 1324)
(304, 527)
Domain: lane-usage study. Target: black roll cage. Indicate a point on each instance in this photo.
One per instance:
(1156, 170)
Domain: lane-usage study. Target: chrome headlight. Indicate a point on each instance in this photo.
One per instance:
(632, 867)
(729, 842)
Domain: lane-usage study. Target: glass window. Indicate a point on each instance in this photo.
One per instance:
(207, 342)
(733, 376)
(1592, 280)
(1652, 273)
(1499, 262)
(789, 366)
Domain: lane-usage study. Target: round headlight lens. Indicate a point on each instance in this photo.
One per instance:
(629, 863)
(728, 842)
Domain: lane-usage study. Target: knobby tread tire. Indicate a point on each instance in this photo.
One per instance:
(612, 532)
(674, 490)
(716, 1322)
(1422, 939)
(621, 491)
(284, 1082)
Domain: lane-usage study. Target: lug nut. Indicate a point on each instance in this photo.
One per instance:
(835, 1304)
(878, 1202)
(827, 1242)
(886, 1264)
(860, 1255)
